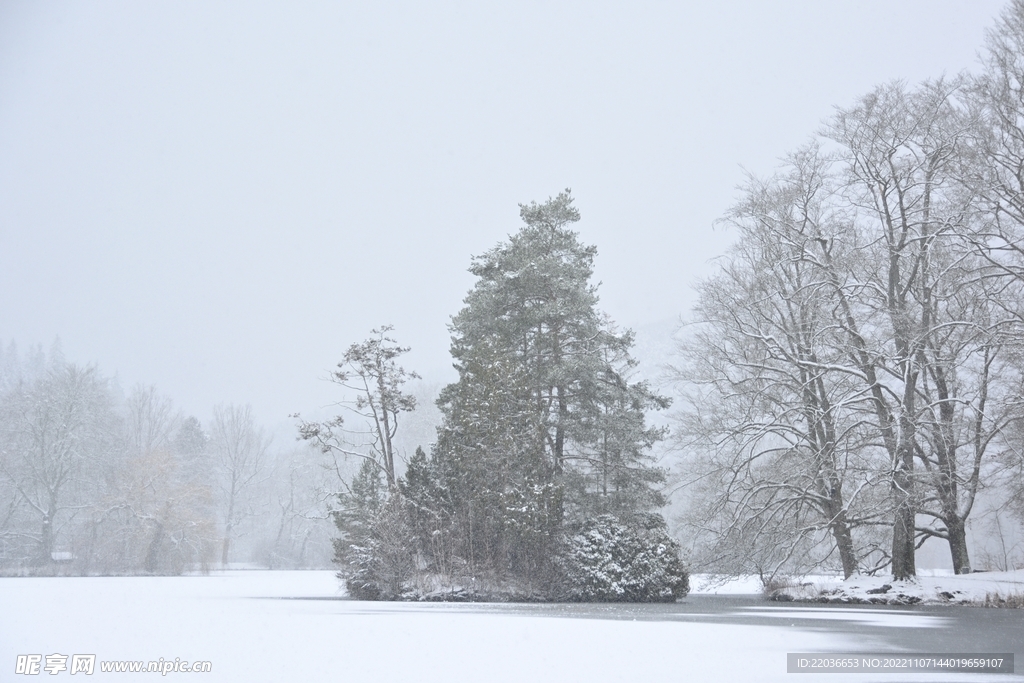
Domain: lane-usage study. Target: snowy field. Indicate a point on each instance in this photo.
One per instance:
(289, 626)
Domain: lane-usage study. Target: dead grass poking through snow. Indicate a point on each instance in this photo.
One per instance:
(1012, 600)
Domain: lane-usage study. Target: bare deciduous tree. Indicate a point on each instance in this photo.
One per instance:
(156, 510)
(54, 429)
(239, 449)
(856, 320)
(783, 456)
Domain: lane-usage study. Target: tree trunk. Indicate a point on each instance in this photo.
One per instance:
(563, 416)
(226, 546)
(844, 542)
(228, 528)
(46, 541)
(385, 434)
(903, 561)
(153, 552)
(958, 545)
(840, 528)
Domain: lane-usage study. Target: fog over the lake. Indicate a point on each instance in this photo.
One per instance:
(218, 198)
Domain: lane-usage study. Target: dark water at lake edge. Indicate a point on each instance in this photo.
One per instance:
(867, 628)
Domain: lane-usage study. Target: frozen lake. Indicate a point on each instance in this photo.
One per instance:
(294, 626)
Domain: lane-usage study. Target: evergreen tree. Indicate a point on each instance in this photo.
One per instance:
(358, 507)
(542, 429)
(376, 546)
(619, 477)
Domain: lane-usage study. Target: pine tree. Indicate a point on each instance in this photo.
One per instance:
(358, 507)
(375, 549)
(543, 428)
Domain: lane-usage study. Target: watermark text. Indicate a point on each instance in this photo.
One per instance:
(34, 665)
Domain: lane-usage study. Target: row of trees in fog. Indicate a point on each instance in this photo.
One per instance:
(541, 482)
(853, 373)
(93, 480)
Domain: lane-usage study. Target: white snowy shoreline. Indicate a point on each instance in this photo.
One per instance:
(930, 587)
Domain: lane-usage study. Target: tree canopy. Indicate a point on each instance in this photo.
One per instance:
(543, 429)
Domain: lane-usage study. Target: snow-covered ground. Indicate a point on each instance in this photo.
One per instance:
(930, 587)
(251, 627)
(710, 584)
(936, 588)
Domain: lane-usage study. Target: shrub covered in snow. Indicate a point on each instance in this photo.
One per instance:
(381, 567)
(377, 544)
(608, 561)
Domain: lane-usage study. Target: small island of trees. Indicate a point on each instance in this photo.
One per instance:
(541, 484)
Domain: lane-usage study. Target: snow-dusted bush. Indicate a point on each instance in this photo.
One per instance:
(382, 565)
(608, 561)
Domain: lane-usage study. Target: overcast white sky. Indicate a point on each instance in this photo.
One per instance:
(217, 198)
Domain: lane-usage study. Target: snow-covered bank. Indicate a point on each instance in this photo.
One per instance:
(950, 589)
(932, 587)
(713, 584)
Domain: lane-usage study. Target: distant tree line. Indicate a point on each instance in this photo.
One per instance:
(541, 484)
(96, 481)
(853, 375)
